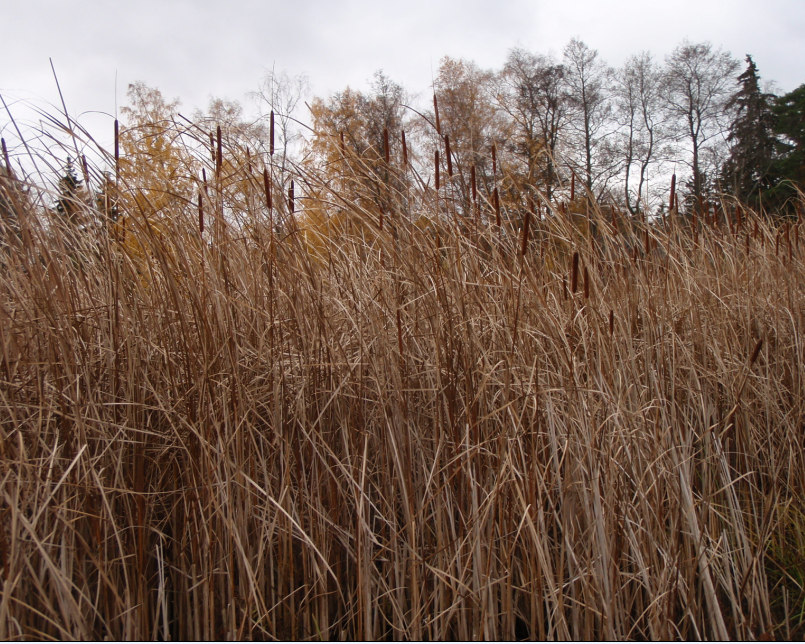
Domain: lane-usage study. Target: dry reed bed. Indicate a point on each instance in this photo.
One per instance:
(408, 435)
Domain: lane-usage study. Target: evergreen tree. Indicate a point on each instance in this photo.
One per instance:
(747, 172)
(69, 201)
(789, 165)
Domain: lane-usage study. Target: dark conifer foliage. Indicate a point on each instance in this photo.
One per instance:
(748, 170)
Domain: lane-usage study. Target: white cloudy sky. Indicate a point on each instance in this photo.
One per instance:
(195, 49)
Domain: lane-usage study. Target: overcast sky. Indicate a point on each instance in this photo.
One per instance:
(194, 50)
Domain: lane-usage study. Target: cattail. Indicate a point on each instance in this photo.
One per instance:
(611, 322)
(204, 180)
(219, 155)
(572, 186)
(436, 112)
(117, 150)
(267, 188)
(574, 273)
(756, 352)
(212, 147)
(404, 150)
(271, 135)
(436, 165)
(85, 168)
(672, 199)
(564, 286)
(496, 199)
(494, 160)
(473, 184)
(526, 223)
(386, 152)
(448, 155)
(290, 198)
(200, 214)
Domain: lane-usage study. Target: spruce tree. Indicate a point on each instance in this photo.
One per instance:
(748, 171)
(68, 203)
(789, 164)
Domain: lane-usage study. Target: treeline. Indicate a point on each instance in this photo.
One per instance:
(540, 130)
(621, 132)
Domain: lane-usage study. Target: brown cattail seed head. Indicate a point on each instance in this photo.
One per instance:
(574, 273)
(219, 155)
(117, 150)
(404, 149)
(436, 165)
(526, 223)
(436, 112)
(672, 199)
(271, 135)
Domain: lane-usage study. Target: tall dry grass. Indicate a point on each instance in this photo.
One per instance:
(591, 429)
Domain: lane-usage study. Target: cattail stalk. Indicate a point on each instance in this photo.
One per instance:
(267, 188)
